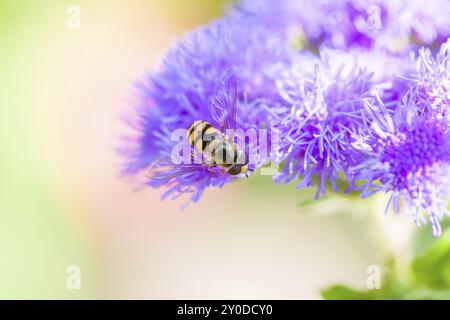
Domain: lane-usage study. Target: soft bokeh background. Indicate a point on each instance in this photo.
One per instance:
(63, 203)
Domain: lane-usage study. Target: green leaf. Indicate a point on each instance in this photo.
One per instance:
(340, 292)
(426, 294)
(432, 269)
(423, 239)
(391, 288)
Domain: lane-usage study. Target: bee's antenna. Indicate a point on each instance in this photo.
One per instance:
(246, 174)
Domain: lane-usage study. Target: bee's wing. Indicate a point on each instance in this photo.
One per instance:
(170, 172)
(164, 168)
(224, 104)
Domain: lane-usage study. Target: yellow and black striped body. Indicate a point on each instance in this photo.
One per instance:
(215, 146)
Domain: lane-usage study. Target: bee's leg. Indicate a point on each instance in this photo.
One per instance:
(223, 171)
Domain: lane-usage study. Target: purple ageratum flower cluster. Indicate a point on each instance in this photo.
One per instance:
(349, 105)
(385, 24)
(322, 112)
(389, 71)
(407, 155)
(430, 85)
(183, 90)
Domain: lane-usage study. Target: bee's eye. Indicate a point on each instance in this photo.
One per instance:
(235, 170)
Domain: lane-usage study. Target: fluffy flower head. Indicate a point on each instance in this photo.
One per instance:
(184, 88)
(409, 156)
(323, 110)
(430, 86)
(388, 24)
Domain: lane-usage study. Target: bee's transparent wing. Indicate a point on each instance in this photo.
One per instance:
(224, 104)
(164, 168)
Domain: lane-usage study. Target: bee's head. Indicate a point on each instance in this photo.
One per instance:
(246, 169)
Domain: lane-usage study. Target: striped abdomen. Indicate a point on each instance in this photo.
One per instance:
(201, 134)
(212, 143)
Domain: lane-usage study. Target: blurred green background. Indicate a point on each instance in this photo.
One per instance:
(62, 202)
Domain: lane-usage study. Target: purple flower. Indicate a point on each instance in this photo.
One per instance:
(430, 85)
(343, 24)
(322, 110)
(408, 156)
(182, 92)
(389, 71)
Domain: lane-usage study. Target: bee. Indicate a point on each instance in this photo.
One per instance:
(213, 143)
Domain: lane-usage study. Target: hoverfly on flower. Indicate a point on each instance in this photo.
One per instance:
(212, 147)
